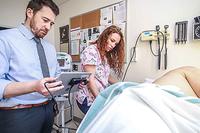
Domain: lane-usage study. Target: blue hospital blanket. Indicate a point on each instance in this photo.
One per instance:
(114, 90)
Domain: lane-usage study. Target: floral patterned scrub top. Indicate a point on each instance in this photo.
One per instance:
(91, 56)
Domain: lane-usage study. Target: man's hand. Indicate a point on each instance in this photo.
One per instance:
(51, 84)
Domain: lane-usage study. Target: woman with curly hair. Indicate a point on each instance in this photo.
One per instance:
(104, 54)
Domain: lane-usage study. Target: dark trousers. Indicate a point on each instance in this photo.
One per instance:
(29, 120)
(83, 107)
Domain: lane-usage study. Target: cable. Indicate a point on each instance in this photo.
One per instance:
(134, 50)
(70, 105)
(150, 44)
(73, 82)
(55, 105)
(70, 111)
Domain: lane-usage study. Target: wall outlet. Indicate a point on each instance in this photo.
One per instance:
(134, 59)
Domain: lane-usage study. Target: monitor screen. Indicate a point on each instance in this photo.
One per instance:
(61, 62)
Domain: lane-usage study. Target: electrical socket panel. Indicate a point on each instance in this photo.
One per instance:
(152, 36)
(134, 59)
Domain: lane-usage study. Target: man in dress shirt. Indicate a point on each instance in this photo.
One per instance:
(24, 107)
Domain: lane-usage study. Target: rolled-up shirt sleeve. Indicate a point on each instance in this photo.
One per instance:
(4, 66)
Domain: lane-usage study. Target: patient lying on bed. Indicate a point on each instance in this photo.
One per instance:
(169, 105)
(186, 78)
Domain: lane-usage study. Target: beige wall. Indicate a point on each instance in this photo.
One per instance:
(144, 15)
(76, 7)
(140, 17)
(12, 13)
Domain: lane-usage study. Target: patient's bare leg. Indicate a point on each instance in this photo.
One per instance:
(186, 78)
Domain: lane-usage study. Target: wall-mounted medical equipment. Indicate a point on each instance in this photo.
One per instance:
(181, 32)
(151, 35)
(64, 61)
(160, 36)
(196, 28)
(165, 43)
(159, 49)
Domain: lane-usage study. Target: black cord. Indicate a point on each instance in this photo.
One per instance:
(72, 83)
(134, 50)
(163, 41)
(55, 105)
(45, 85)
(70, 104)
(150, 44)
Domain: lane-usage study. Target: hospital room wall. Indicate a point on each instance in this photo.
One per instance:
(141, 15)
(73, 8)
(12, 13)
(144, 15)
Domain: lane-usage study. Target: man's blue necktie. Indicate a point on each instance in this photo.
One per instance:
(42, 57)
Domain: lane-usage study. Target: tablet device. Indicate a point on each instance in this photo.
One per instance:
(66, 78)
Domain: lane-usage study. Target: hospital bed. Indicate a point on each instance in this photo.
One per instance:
(128, 107)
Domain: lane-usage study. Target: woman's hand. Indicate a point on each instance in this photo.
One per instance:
(111, 79)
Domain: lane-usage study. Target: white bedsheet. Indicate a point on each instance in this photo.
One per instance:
(145, 109)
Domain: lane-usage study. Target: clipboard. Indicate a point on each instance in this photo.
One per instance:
(66, 77)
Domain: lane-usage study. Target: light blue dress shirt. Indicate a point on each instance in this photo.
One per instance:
(19, 62)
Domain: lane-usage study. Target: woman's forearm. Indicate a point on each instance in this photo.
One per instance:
(93, 88)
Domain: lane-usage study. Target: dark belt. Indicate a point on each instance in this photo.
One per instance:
(23, 106)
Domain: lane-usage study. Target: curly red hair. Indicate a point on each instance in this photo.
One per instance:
(115, 57)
